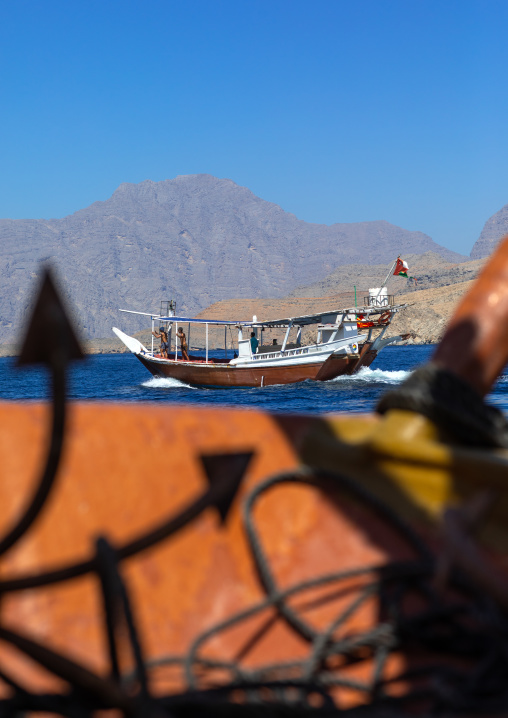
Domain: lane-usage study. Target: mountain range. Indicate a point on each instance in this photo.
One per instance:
(197, 239)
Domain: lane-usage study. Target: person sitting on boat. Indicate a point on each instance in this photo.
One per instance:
(253, 343)
(183, 343)
(163, 336)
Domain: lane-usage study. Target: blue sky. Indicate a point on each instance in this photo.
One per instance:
(337, 111)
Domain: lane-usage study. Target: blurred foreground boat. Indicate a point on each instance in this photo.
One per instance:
(200, 561)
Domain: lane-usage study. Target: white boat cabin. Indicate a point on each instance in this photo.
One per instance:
(337, 333)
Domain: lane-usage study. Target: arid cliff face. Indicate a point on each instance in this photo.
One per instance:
(427, 313)
(196, 239)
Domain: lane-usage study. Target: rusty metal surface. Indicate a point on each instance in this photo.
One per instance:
(125, 470)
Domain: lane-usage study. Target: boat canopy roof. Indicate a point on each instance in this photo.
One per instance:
(330, 316)
(191, 320)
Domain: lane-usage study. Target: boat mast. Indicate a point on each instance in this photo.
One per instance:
(387, 278)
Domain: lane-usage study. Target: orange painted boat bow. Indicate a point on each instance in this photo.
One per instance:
(290, 569)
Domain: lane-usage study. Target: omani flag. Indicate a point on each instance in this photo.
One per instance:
(401, 268)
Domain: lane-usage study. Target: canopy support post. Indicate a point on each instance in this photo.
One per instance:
(206, 344)
(287, 336)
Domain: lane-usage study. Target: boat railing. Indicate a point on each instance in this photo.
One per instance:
(384, 300)
(309, 348)
(199, 360)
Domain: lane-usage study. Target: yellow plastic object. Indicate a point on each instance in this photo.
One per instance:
(402, 458)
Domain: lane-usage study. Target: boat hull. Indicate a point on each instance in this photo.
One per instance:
(225, 375)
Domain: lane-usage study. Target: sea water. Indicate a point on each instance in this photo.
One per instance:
(121, 377)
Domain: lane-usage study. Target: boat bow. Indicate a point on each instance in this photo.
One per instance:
(131, 343)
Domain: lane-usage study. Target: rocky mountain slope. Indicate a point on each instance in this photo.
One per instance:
(495, 228)
(430, 269)
(196, 239)
(428, 312)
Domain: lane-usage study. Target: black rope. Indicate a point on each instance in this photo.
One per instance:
(451, 404)
(466, 642)
(317, 478)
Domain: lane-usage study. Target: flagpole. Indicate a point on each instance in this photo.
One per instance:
(387, 277)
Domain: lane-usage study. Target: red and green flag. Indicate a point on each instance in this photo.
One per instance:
(401, 268)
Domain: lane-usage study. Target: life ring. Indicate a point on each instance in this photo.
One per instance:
(385, 318)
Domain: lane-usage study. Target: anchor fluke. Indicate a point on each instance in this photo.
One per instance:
(50, 337)
(225, 473)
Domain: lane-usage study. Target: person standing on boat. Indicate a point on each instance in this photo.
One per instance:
(163, 336)
(183, 343)
(253, 342)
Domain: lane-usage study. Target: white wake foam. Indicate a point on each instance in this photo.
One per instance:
(376, 376)
(158, 382)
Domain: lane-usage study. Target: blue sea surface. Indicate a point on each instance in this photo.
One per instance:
(121, 377)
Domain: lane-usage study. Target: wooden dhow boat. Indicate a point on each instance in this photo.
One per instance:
(340, 347)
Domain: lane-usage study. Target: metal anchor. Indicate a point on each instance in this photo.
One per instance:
(50, 340)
